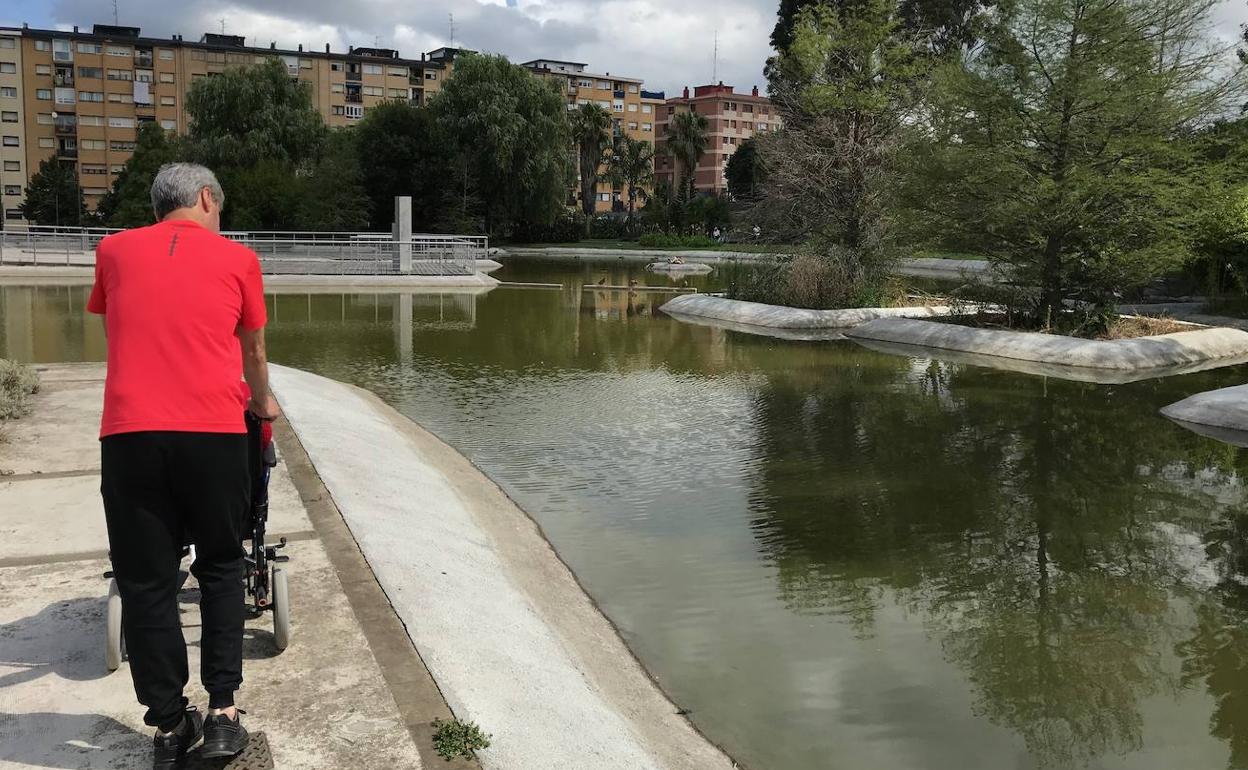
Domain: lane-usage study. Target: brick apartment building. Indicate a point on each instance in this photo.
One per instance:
(80, 96)
(731, 117)
(634, 112)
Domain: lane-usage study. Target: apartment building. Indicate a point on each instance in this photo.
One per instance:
(731, 117)
(81, 96)
(634, 112)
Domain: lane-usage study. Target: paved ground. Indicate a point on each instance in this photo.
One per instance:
(323, 703)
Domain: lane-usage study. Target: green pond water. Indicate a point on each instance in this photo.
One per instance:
(834, 558)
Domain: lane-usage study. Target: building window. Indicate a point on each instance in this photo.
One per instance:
(42, 94)
(11, 141)
(166, 54)
(604, 85)
(647, 126)
(374, 69)
(8, 92)
(94, 168)
(632, 88)
(118, 50)
(87, 48)
(617, 106)
(93, 144)
(120, 75)
(354, 111)
(94, 190)
(12, 165)
(12, 213)
(374, 91)
(12, 189)
(116, 169)
(8, 42)
(429, 75)
(166, 77)
(121, 98)
(604, 197)
(632, 108)
(87, 120)
(143, 76)
(65, 96)
(335, 66)
(585, 83)
(44, 118)
(336, 110)
(90, 96)
(167, 101)
(121, 146)
(8, 116)
(8, 68)
(646, 109)
(398, 72)
(42, 45)
(47, 142)
(762, 127)
(632, 126)
(91, 72)
(398, 93)
(121, 122)
(43, 69)
(169, 125)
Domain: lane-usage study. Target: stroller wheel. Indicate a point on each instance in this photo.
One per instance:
(281, 609)
(114, 643)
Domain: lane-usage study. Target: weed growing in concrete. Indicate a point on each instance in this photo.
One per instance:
(454, 739)
(17, 383)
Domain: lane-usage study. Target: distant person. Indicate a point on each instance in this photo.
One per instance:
(184, 313)
(758, 231)
(716, 235)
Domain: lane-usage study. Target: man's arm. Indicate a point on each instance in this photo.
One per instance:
(256, 373)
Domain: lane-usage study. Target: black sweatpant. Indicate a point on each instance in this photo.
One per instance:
(162, 489)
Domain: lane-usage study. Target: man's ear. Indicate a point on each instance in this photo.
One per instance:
(205, 199)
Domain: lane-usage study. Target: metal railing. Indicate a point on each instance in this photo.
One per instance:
(280, 253)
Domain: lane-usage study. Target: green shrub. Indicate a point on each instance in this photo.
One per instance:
(17, 384)
(458, 739)
(567, 228)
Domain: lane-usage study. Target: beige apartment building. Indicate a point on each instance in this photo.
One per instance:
(731, 117)
(634, 113)
(81, 96)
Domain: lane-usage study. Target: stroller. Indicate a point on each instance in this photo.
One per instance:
(266, 583)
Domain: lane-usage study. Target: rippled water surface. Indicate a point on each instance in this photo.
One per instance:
(834, 558)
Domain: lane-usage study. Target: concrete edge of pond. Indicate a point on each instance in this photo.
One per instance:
(648, 255)
(509, 635)
(1158, 355)
(478, 283)
(779, 317)
(794, 335)
(1221, 414)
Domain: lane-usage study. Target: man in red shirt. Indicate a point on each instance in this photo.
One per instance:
(184, 313)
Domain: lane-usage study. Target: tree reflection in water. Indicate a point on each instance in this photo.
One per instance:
(1051, 581)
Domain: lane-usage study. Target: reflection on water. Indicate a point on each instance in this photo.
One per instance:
(831, 556)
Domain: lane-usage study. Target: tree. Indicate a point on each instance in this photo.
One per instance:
(591, 130)
(331, 196)
(129, 203)
(510, 135)
(53, 196)
(402, 151)
(244, 115)
(744, 171)
(846, 87)
(1053, 149)
(632, 168)
(686, 141)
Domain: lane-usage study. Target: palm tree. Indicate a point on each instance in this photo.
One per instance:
(591, 131)
(632, 166)
(686, 142)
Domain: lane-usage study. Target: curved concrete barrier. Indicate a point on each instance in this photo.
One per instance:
(780, 317)
(684, 267)
(511, 639)
(1200, 347)
(1221, 414)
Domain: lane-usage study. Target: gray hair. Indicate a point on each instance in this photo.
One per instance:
(177, 186)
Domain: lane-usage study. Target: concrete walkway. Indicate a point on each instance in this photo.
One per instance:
(510, 637)
(323, 703)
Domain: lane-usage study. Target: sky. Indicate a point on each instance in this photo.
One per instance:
(668, 43)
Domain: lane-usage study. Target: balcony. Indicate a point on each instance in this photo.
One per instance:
(66, 126)
(67, 153)
(143, 60)
(618, 94)
(354, 77)
(354, 98)
(63, 78)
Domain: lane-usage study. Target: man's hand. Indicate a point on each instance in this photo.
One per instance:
(265, 407)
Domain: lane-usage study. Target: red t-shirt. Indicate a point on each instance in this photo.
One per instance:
(173, 296)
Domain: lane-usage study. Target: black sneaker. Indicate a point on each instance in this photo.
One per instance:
(223, 737)
(169, 749)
